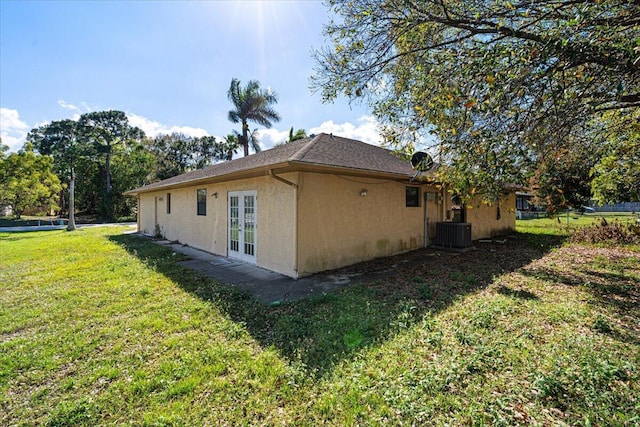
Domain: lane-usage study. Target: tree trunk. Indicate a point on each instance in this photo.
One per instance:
(108, 167)
(245, 139)
(72, 204)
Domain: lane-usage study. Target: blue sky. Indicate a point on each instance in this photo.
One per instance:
(167, 64)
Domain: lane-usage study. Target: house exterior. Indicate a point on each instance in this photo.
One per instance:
(312, 205)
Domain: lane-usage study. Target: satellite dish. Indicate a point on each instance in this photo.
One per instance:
(421, 161)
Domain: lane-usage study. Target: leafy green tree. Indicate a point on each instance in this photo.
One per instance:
(616, 176)
(132, 167)
(251, 104)
(27, 181)
(89, 183)
(178, 153)
(562, 178)
(494, 85)
(106, 130)
(207, 150)
(172, 154)
(62, 140)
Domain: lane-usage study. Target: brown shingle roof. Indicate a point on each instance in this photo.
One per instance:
(322, 150)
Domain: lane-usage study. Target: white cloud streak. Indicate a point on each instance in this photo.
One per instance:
(12, 129)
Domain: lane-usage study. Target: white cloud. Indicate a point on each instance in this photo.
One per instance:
(152, 128)
(366, 130)
(12, 129)
(64, 104)
(270, 137)
(77, 111)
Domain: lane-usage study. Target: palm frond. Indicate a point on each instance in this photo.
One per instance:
(254, 141)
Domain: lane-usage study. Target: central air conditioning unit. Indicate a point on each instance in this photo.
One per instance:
(456, 235)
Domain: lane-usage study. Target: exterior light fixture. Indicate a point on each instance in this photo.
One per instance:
(363, 192)
(215, 195)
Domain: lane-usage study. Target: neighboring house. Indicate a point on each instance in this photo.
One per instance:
(526, 207)
(311, 205)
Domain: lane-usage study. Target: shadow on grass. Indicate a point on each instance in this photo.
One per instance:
(613, 284)
(322, 331)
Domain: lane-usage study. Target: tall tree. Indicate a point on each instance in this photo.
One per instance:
(492, 84)
(106, 130)
(27, 181)
(62, 140)
(251, 104)
(133, 167)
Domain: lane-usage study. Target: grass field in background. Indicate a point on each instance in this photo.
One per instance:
(101, 328)
(564, 224)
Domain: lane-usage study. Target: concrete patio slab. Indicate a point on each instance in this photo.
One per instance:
(266, 286)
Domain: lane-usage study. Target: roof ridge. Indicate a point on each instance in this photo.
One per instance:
(299, 155)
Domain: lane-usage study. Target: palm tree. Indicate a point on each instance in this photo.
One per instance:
(300, 134)
(251, 104)
(231, 145)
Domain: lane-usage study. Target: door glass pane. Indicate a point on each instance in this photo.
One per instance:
(234, 224)
(249, 225)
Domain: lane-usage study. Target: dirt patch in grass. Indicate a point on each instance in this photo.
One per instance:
(448, 275)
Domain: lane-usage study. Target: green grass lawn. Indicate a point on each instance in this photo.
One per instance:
(101, 328)
(563, 224)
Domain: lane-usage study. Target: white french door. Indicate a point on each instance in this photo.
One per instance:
(243, 225)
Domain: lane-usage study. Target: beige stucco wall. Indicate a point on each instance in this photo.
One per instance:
(483, 217)
(145, 214)
(338, 227)
(275, 219)
(335, 226)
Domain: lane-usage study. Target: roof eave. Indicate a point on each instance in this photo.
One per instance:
(243, 174)
(284, 167)
(347, 171)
